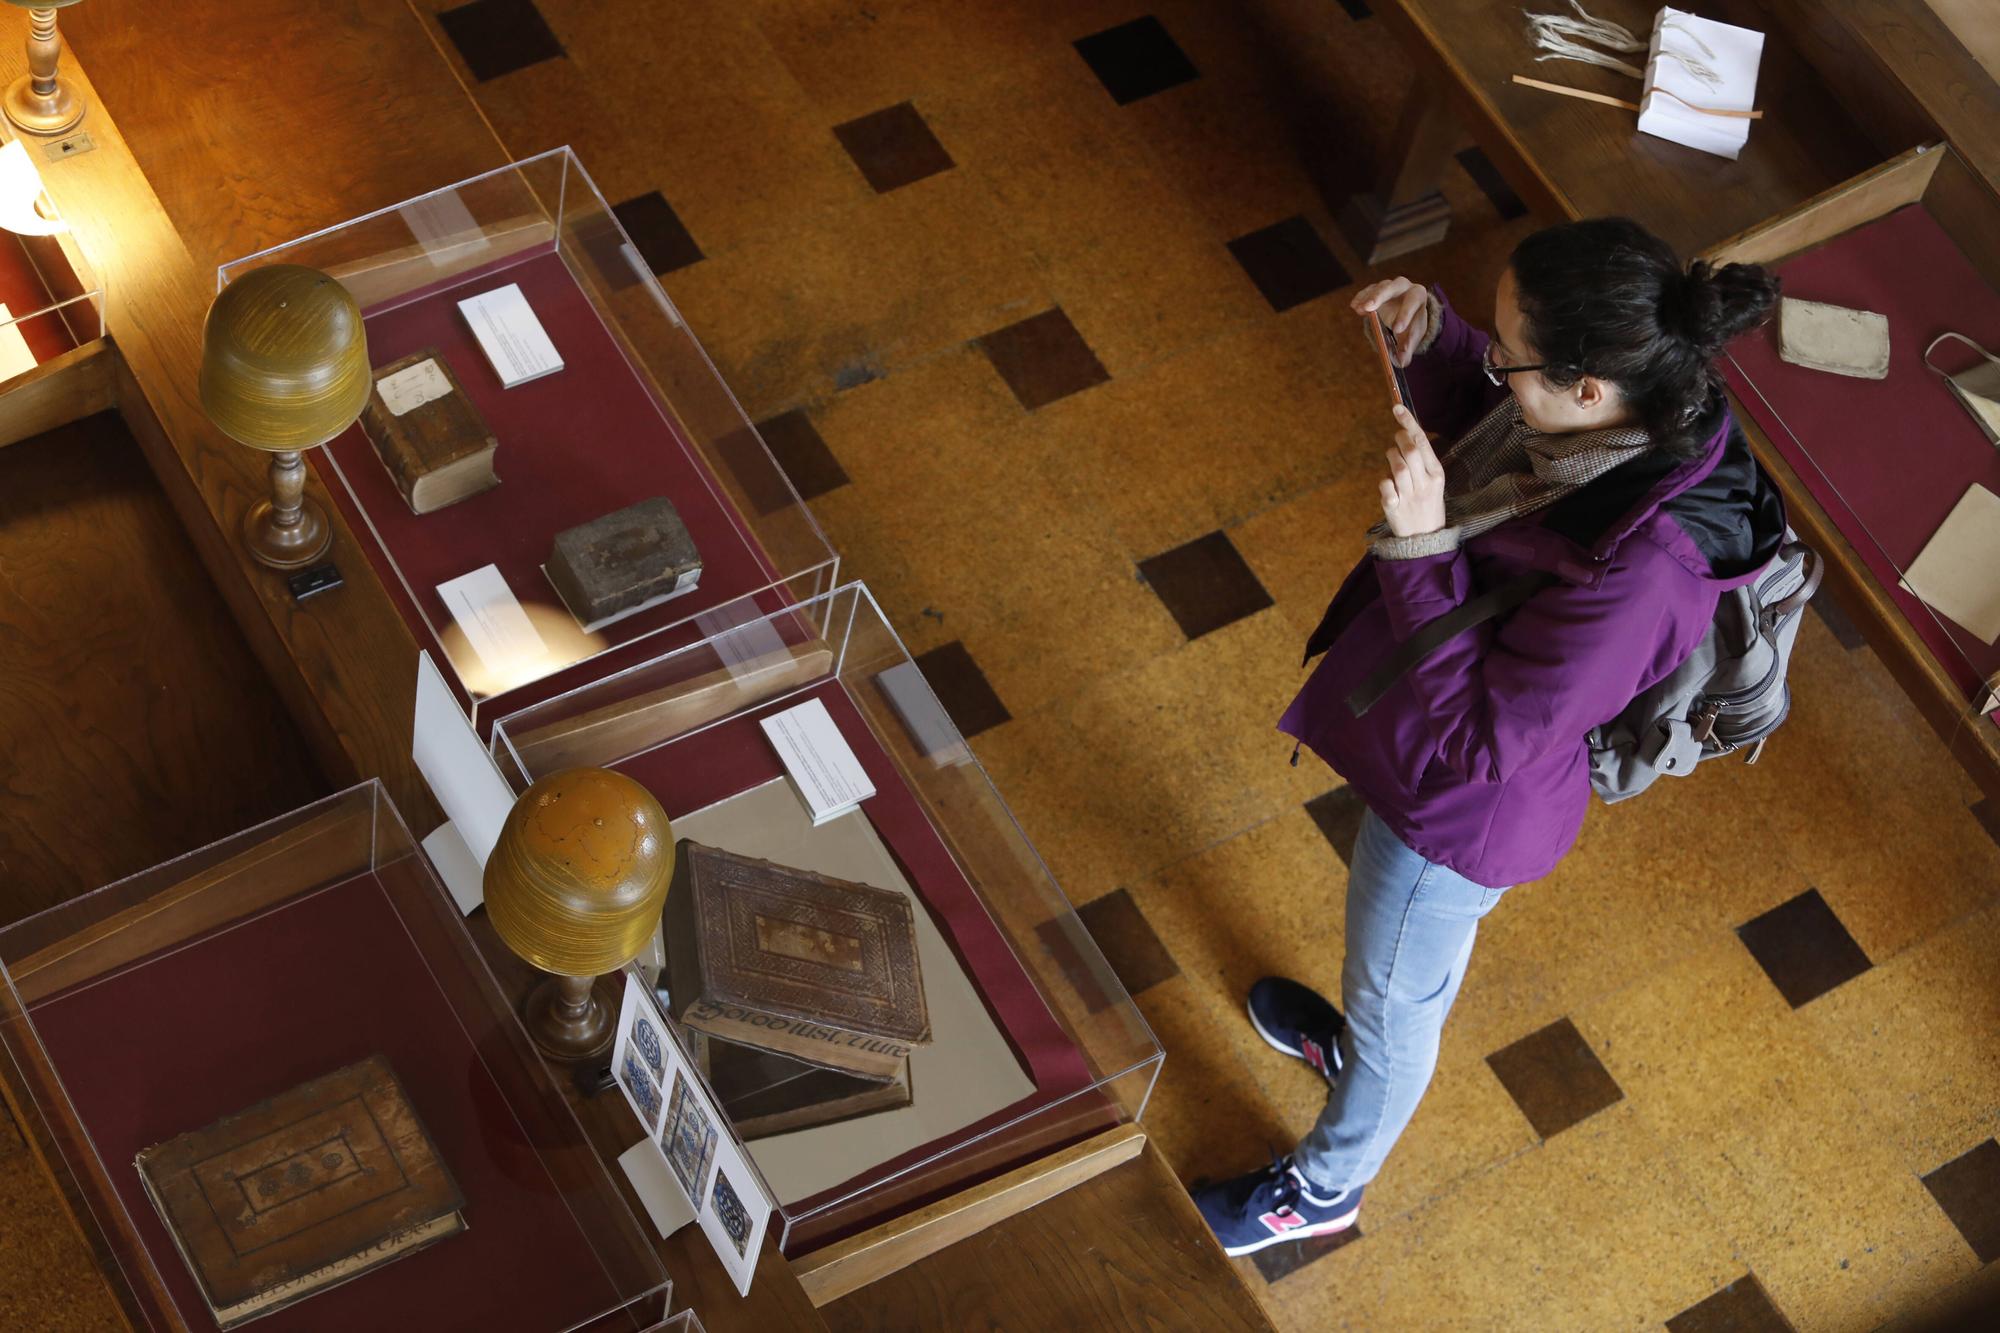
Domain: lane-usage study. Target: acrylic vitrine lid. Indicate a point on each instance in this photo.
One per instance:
(1033, 1041)
(636, 414)
(200, 989)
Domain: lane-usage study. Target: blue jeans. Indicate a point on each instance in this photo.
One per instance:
(1410, 926)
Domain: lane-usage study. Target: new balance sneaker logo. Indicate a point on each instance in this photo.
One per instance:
(1282, 1221)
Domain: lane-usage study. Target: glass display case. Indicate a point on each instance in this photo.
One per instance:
(1889, 459)
(199, 992)
(1034, 1044)
(50, 299)
(635, 412)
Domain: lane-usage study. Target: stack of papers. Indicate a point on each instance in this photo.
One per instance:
(1731, 52)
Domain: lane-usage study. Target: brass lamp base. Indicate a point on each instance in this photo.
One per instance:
(38, 114)
(287, 546)
(566, 1019)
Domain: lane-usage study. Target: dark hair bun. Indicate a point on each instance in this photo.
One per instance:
(1717, 304)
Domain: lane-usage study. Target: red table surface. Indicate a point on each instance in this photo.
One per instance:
(245, 1013)
(717, 763)
(1887, 459)
(583, 442)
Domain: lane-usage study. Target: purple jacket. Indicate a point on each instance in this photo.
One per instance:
(1477, 757)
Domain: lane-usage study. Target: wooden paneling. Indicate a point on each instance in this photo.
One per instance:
(261, 121)
(65, 388)
(137, 724)
(1127, 1251)
(849, 1265)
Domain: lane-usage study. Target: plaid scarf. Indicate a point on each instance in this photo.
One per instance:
(1503, 468)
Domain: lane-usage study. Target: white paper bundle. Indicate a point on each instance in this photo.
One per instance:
(1697, 62)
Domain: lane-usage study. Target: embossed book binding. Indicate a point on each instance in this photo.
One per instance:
(294, 1195)
(428, 434)
(766, 1093)
(622, 561)
(812, 967)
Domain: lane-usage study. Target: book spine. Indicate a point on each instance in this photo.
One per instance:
(870, 1056)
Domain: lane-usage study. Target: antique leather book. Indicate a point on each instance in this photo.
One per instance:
(766, 1093)
(428, 434)
(318, 1185)
(623, 560)
(815, 968)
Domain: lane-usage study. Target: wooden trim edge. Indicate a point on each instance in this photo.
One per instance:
(849, 1265)
(62, 389)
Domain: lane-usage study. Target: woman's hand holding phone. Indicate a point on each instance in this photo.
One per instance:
(1403, 306)
(1413, 492)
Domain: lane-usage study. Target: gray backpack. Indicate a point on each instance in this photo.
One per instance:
(1730, 693)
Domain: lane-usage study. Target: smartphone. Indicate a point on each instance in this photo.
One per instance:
(1384, 339)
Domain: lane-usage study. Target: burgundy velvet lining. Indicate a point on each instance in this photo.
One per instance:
(245, 1013)
(735, 756)
(583, 442)
(1887, 459)
(23, 289)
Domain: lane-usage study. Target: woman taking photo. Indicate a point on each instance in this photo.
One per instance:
(1587, 439)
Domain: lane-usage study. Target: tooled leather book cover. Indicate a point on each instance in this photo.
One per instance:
(317, 1185)
(821, 969)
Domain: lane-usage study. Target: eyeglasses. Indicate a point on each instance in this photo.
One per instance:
(1497, 375)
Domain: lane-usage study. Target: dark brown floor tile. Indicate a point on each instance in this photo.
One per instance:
(893, 147)
(1205, 584)
(1803, 948)
(1988, 814)
(1136, 59)
(1492, 184)
(1968, 1189)
(10, 1133)
(1062, 939)
(1129, 944)
(962, 688)
(1338, 814)
(802, 454)
(658, 233)
(1836, 619)
(500, 36)
(1043, 358)
(1741, 1307)
(1289, 263)
(1283, 1260)
(1555, 1078)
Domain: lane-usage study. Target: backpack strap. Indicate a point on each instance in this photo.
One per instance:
(1432, 635)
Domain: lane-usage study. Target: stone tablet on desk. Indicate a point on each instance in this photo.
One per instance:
(429, 436)
(616, 564)
(1833, 338)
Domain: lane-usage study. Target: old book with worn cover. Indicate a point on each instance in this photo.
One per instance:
(766, 1093)
(428, 434)
(816, 968)
(296, 1194)
(621, 561)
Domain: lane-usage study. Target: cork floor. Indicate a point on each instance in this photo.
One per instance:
(1043, 311)
(1038, 302)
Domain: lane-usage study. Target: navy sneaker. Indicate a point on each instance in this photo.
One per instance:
(1272, 1205)
(1298, 1020)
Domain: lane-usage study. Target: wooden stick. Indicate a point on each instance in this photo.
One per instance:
(1632, 106)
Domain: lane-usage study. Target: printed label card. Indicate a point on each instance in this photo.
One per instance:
(689, 1142)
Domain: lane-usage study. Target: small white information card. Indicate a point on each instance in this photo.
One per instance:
(510, 335)
(494, 624)
(829, 778)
